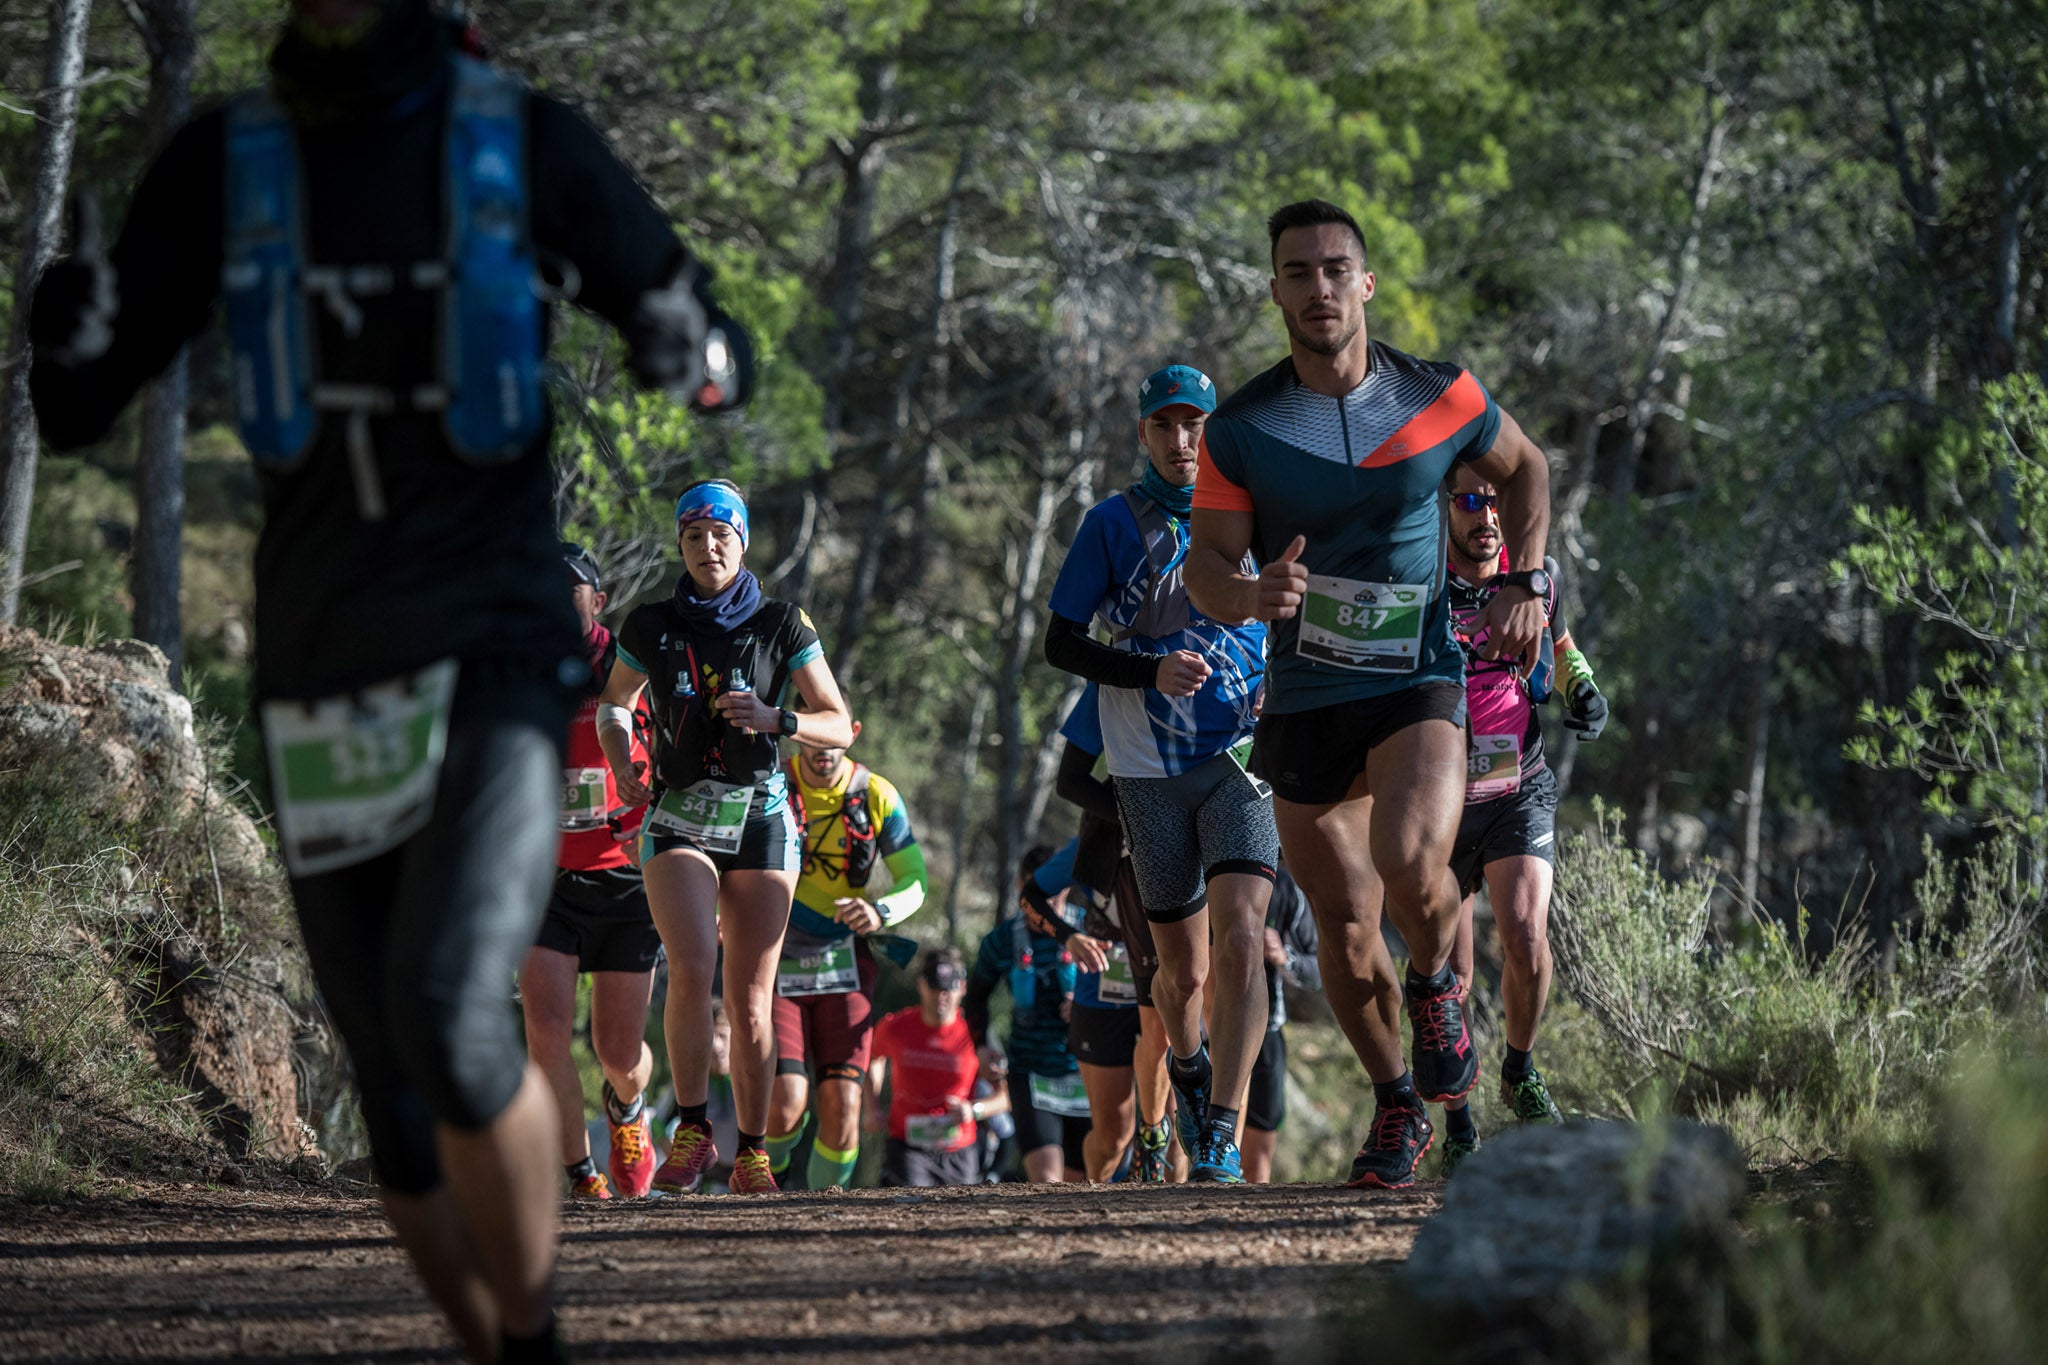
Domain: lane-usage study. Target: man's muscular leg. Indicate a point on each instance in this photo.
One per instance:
(1327, 851)
(1418, 772)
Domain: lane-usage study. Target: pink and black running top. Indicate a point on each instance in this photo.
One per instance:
(1506, 738)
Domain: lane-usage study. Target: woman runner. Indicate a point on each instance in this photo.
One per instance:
(720, 844)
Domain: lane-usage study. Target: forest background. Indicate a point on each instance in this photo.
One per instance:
(1764, 279)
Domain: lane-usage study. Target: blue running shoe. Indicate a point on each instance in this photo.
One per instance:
(1191, 1103)
(1218, 1162)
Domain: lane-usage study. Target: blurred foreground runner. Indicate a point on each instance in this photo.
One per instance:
(377, 222)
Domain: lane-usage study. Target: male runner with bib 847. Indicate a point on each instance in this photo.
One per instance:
(1329, 466)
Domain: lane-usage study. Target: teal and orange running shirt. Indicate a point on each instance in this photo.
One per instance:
(1361, 479)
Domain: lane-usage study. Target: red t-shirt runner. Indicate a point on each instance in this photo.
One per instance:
(926, 1066)
(590, 797)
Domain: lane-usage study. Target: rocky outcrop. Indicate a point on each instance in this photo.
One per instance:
(202, 940)
(1583, 1236)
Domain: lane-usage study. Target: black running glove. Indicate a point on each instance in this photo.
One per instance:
(680, 340)
(1586, 714)
(72, 317)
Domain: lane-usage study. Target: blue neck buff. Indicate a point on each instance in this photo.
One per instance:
(721, 614)
(1174, 498)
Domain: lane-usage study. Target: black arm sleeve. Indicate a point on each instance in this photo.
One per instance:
(981, 984)
(1079, 786)
(1069, 648)
(166, 263)
(591, 210)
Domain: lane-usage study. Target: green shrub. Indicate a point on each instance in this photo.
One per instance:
(1796, 1057)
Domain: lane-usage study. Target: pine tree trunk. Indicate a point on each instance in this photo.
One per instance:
(155, 571)
(56, 132)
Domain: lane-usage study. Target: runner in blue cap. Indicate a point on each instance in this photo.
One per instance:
(1178, 692)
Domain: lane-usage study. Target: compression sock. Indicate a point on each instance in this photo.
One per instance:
(1517, 1065)
(579, 1169)
(620, 1112)
(542, 1348)
(1193, 1068)
(1459, 1125)
(697, 1115)
(780, 1149)
(753, 1142)
(1224, 1122)
(1444, 980)
(828, 1168)
(1399, 1091)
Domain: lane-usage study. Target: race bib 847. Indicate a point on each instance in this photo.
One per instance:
(1368, 627)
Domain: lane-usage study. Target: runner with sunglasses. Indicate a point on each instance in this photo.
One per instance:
(1329, 467)
(1507, 835)
(720, 847)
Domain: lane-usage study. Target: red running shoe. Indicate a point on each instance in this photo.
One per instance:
(751, 1173)
(632, 1163)
(689, 1156)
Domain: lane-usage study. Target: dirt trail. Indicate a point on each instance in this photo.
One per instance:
(989, 1275)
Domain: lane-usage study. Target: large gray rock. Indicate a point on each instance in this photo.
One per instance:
(1548, 1224)
(113, 743)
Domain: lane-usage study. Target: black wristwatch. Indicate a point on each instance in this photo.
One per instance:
(1535, 580)
(788, 723)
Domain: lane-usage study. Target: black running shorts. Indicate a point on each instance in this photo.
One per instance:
(1265, 1103)
(1137, 931)
(1521, 824)
(601, 919)
(1312, 757)
(769, 842)
(1038, 1128)
(1102, 1035)
(905, 1165)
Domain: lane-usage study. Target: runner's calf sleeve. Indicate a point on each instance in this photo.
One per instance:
(780, 1148)
(828, 1168)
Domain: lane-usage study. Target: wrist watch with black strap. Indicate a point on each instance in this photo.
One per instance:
(787, 722)
(1536, 581)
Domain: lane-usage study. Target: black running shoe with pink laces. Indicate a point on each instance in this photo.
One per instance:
(1400, 1134)
(1445, 1063)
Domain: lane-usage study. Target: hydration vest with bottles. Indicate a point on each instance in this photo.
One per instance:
(492, 304)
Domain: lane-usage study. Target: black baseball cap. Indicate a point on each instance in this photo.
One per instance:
(582, 565)
(942, 970)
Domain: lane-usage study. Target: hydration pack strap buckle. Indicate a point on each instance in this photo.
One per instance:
(360, 402)
(340, 286)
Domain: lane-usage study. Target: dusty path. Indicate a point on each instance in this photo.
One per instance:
(989, 1275)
